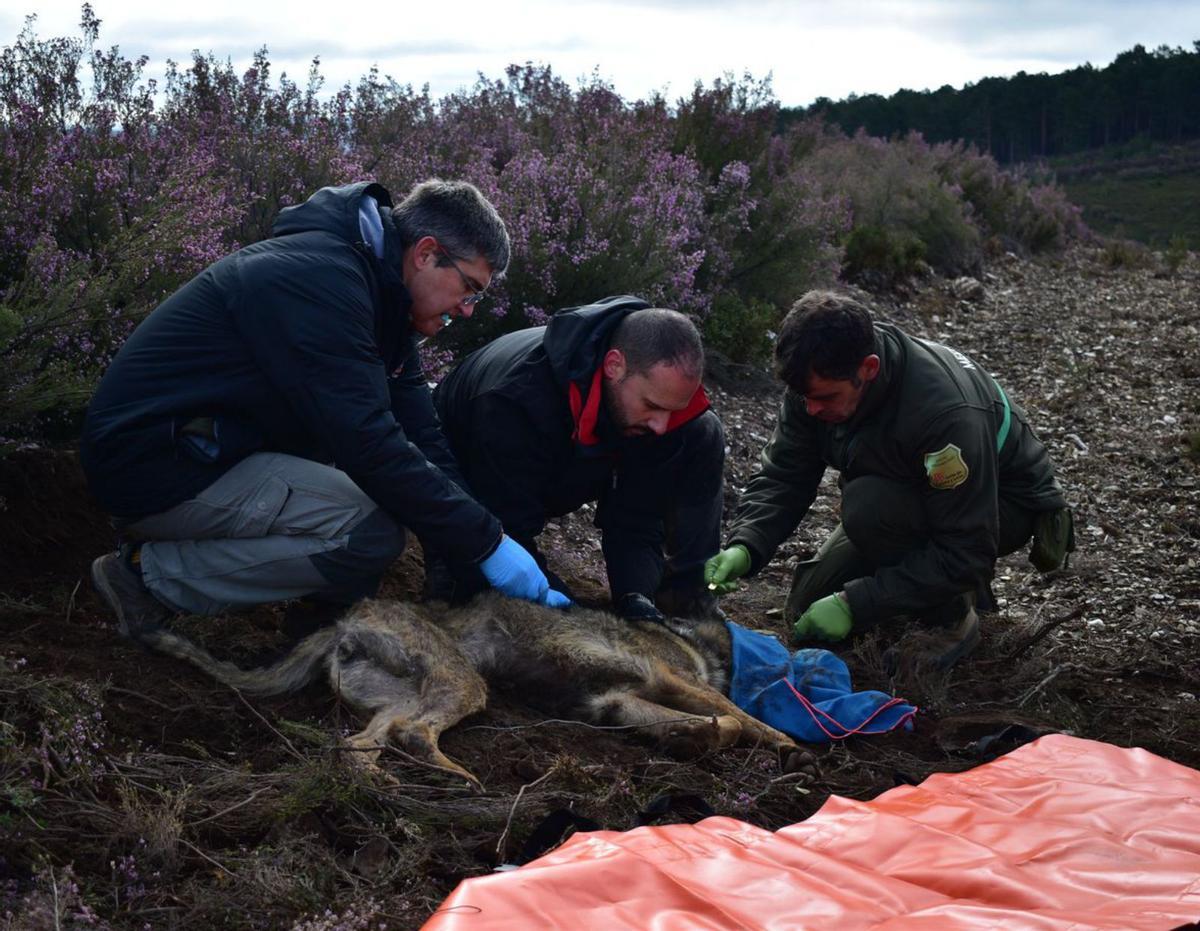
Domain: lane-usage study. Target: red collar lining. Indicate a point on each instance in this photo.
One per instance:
(585, 414)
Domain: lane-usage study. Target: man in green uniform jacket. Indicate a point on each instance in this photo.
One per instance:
(940, 475)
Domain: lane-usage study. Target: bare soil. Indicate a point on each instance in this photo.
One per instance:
(134, 792)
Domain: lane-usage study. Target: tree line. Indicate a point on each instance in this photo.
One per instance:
(1153, 95)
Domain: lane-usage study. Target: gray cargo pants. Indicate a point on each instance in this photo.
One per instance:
(881, 521)
(273, 527)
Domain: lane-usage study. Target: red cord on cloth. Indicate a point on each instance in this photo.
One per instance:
(817, 713)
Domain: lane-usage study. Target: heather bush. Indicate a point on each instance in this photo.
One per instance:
(595, 201)
(772, 231)
(56, 900)
(1026, 214)
(788, 241)
(102, 213)
(270, 147)
(113, 192)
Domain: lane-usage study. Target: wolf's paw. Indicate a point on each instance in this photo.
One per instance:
(801, 762)
(694, 737)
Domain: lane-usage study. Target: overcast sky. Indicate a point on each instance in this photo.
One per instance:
(811, 48)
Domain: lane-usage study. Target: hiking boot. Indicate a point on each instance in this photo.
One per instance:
(637, 607)
(118, 579)
(952, 632)
(952, 643)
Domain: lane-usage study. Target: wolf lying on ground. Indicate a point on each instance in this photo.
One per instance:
(419, 669)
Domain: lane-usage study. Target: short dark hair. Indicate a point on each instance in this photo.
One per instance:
(826, 333)
(656, 336)
(458, 216)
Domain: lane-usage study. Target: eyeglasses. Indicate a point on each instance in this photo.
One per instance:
(478, 293)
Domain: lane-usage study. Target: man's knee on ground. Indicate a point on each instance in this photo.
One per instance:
(370, 549)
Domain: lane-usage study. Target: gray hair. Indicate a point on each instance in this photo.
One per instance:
(458, 216)
(656, 335)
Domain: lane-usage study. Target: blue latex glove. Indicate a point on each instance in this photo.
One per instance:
(511, 570)
(556, 599)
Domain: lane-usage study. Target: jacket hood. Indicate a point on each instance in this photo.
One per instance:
(577, 337)
(575, 343)
(331, 210)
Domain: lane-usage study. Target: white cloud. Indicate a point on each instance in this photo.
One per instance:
(811, 47)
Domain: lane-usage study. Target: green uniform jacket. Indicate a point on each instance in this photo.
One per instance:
(932, 420)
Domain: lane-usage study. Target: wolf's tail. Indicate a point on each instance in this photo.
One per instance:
(299, 667)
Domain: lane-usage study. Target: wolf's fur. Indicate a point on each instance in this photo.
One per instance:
(419, 669)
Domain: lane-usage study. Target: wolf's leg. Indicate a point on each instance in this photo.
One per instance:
(412, 677)
(680, 733)
(674, 691)
(417, 738)
(367, 744)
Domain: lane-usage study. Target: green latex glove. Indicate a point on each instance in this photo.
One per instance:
(723, 570)
(827, 618)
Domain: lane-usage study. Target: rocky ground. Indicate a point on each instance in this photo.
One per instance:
(134, 792)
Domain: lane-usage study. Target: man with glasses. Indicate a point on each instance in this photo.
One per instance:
(476, 291)
(604, 404)
(267, 433)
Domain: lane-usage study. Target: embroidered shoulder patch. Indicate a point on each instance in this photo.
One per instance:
(946, 468)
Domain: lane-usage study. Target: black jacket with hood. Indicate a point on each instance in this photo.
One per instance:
(526, 420)
(299, 344)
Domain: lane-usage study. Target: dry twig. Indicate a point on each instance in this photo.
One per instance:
(296, 753)
(513, 811)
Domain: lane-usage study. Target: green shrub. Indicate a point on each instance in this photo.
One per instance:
(1193, 445)
(1177, 253)
(902, 209)
(881, 255)
(1125, 253)
(740, 330)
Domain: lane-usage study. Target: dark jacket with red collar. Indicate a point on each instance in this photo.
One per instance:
(526, 421)
(299, 344)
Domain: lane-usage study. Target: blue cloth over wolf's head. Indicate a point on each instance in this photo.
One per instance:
(806, 694)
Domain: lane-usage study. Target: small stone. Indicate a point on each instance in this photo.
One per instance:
(967, 289)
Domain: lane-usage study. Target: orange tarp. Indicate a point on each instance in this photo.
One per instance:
(1062, 833)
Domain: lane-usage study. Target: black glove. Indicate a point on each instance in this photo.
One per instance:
(637, 607)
